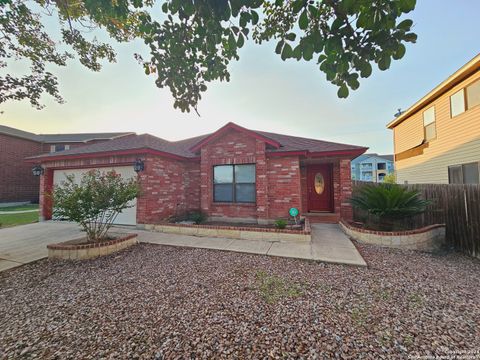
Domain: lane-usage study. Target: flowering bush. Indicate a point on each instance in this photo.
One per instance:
(95, 202)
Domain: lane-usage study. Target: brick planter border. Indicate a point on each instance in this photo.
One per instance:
(235, 232)
(429, 238)
(67, 251)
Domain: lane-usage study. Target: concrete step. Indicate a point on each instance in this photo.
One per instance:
(323, 218)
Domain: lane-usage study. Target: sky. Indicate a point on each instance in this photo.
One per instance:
(264, 92)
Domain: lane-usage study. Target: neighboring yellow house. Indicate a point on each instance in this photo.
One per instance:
(437, 140)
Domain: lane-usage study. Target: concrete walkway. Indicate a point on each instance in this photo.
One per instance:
(23, 244)
(329, 244)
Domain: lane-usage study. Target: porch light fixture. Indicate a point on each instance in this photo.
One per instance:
(138, 165)
(37, 170)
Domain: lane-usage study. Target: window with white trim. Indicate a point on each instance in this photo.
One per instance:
(465, 99)
(430, 132)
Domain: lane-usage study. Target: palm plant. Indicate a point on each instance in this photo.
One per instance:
(390, 204)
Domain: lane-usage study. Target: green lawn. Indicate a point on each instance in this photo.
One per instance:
(7, 220)
(20, 207)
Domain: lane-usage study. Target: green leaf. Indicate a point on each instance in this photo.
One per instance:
(297, 5)
(165, 7)
(343, 92)
(240, 40)
(405, 25)
(410, 37)
(407, 5)
(254, 17)
(366, 70)
(308, 51)
(287, 52)
(384, 62)
(297, 52)
(303, 20)
(232, 44)
(279, 47)
(290, 36)
(400, 52)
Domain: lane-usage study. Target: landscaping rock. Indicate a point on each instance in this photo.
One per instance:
(163, 302)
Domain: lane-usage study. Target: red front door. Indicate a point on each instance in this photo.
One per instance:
(319, 187)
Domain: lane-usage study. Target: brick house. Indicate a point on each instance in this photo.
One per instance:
(16, 181)
(234, 173)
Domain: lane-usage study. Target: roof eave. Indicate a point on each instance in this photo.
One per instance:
(140, 151)
(466, 70)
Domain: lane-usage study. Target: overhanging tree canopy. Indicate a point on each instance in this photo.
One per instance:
(192, 42)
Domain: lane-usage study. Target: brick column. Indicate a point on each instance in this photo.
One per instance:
(261, 182)
(345, 190)
(45, 200)
(205, 180)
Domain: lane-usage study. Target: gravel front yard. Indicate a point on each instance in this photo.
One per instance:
(163, 302)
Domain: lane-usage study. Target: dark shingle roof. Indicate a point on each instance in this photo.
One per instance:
(183, 147)
(295, 143)
(82, 137)
(7, 130)
(59, 138)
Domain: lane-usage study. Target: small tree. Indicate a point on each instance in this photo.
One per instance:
(390, 179)
(95, 202)
(390, 204)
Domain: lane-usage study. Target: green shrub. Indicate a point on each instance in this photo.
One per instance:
(389, 204)
(280, 223)
(95, 202)
(390, 179)
(197, 217)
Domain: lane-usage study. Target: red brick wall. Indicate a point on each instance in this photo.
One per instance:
(345, 190)
(169, 187)
(17, 182)
(303, 189)
(234, 148)
(284, 190)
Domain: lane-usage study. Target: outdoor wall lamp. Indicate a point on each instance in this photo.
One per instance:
(37, 170)
(138, 165)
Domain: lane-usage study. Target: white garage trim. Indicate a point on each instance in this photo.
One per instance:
(127, 216)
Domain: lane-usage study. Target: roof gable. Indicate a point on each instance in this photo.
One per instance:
(232, 126)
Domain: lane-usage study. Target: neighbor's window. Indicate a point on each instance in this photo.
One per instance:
(234, 183)
(381, 166)
(59, 147)
(464, 174)
(457, 103)
(429, 124)
(473, 95)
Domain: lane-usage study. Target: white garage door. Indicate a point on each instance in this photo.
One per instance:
(127, 216)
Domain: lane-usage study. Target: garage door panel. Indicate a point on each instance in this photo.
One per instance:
(127, 216)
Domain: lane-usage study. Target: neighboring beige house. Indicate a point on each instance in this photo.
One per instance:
(437, 140)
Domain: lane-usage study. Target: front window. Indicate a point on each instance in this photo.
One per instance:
(234, 183)
(381, 166)
(429, 124)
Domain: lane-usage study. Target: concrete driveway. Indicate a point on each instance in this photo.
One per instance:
(23, 244)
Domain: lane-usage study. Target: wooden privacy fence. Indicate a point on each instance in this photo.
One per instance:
(457, 206)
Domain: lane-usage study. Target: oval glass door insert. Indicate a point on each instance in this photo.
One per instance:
(319, 183)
